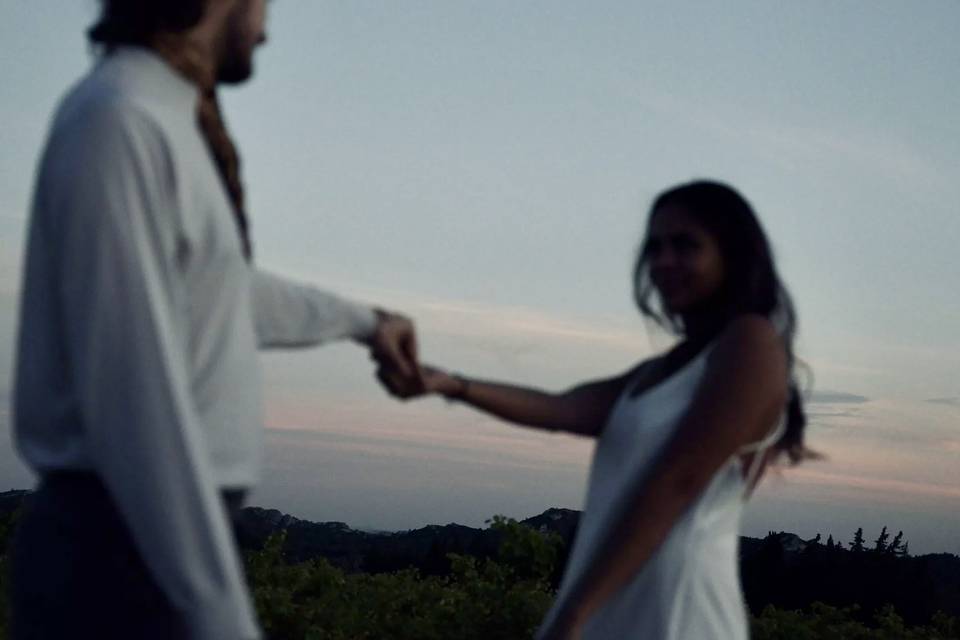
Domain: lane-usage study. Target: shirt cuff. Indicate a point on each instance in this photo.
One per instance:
(363, 322)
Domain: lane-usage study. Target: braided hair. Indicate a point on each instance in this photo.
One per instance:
(150, 23)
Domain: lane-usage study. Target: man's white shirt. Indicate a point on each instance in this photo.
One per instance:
(139, 327)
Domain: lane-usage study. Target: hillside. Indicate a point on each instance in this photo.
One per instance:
(781, 569)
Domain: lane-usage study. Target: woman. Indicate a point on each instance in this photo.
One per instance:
(682, 437)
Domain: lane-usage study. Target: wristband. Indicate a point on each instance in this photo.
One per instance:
(461, 394)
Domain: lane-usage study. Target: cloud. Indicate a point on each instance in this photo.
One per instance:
(836, 397)
(952, 446)
(840, 405)
(463, 318)
(487, 323)
(429, 424)
(950, 402)
(891, 489)
(794, 145)
(884, 154)
(487, 450)
(819, 416)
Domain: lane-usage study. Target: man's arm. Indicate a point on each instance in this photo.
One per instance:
(109, 214)
(291, 314)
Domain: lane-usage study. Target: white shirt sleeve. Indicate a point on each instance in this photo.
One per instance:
(290, 314)
(113, 225)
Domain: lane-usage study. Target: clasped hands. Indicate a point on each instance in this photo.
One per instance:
(393, 346)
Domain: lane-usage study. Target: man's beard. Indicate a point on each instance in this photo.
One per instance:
(235, 64)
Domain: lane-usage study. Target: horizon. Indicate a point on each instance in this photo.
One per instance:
(486, 170)
(487, 523)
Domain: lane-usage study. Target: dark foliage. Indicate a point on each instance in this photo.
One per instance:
(460, 583)
(793, 577)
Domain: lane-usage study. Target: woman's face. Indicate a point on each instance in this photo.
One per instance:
(685, 263)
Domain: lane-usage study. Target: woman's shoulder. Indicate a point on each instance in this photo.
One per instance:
(751, 327)
(751, 340)
(747, 333)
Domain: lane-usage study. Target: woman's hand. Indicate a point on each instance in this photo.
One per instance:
(432, 381)
(440, 382)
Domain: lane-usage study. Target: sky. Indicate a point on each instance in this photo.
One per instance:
(486, 168)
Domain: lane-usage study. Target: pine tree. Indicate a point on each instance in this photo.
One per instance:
(857, 544)
(880, 544)
(830, 544)
(896, 548)
(817, 539)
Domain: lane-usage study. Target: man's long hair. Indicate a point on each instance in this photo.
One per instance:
(136, 21)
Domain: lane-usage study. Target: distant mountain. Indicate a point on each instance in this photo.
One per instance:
(781, 569)
(352, 550)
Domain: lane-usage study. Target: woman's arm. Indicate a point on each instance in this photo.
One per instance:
(742, 393)
(582, 410)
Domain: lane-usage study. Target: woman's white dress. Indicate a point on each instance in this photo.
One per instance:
(690, 588)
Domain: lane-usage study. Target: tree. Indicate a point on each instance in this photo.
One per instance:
(830, 544)
(857, 545)
(880, 544)
(896, 546)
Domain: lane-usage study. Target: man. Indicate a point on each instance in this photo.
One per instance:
(137, 388)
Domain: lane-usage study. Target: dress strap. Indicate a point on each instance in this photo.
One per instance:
(759, 449)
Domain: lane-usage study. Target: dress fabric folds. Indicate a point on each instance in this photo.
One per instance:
(690, 587)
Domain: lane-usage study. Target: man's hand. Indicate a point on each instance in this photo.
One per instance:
(394, 346)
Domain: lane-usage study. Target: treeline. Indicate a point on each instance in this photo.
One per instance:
(500, 597)
(866, 576)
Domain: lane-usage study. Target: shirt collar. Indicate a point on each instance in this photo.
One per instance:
(147, 70)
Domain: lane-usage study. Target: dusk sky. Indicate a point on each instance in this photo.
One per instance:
(485, 167)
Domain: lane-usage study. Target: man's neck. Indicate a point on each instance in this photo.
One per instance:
(195, 53)
(189, 57)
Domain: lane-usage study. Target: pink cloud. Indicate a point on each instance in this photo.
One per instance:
(888, 489)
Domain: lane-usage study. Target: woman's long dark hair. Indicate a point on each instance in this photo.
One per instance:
(751, 283)
(136, 21)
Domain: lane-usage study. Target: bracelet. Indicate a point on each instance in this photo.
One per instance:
(461, 394)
